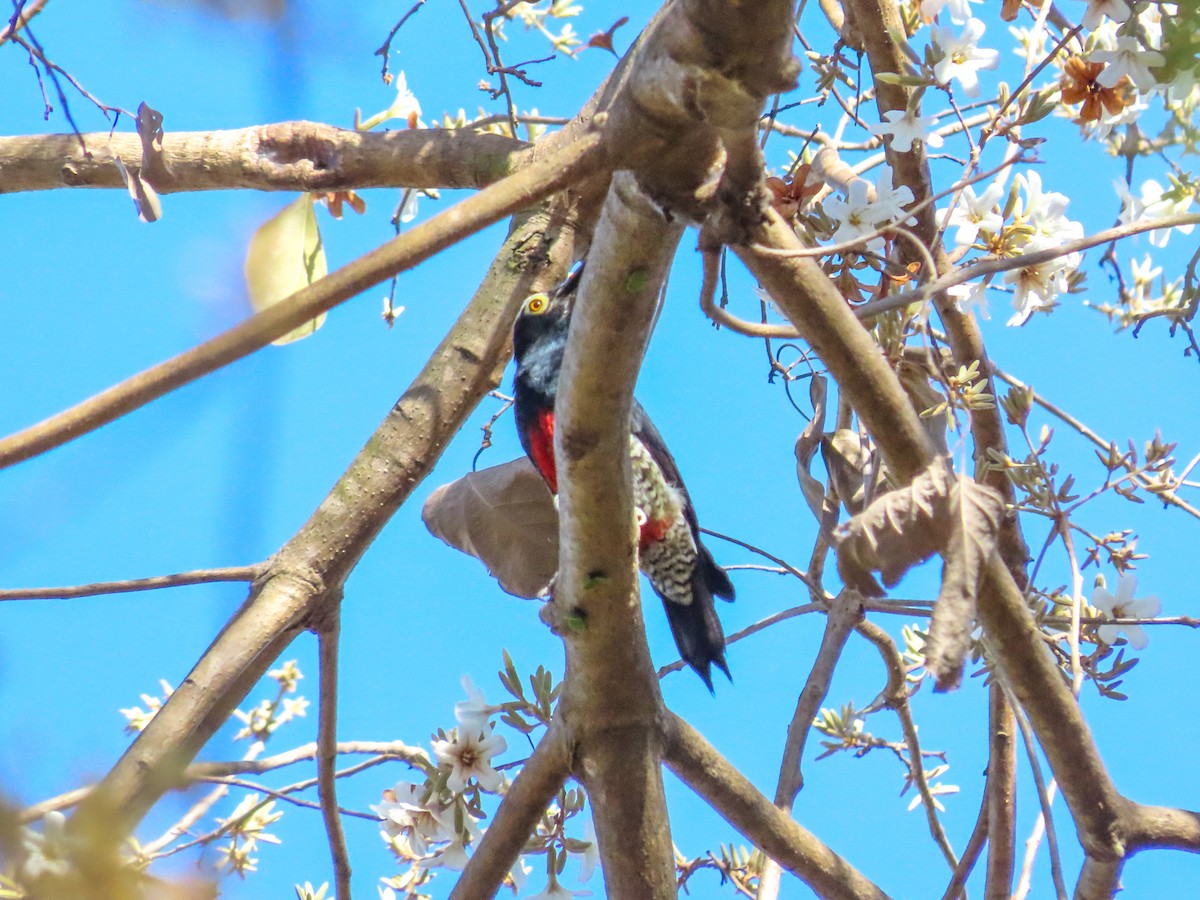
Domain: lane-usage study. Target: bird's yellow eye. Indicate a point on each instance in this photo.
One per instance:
(537, 304)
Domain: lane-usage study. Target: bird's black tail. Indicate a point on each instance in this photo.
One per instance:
(695, 626)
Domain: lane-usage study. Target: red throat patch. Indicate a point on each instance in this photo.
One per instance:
(541, 448)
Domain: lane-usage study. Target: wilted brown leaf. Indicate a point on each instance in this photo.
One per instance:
(505, 517)
(938, 513)
(807, 445)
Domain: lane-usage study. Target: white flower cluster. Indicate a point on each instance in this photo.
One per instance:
(434, 824)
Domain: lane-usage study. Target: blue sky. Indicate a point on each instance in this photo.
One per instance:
(223, 471)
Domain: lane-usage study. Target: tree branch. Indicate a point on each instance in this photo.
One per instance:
(611, 704)
(730, 793)
(308, 571)
(281, 156)
(1001, 790)
(20, 19)
(842, 615)
(814, 305)
(199, 576)
(541, 179)
(845, 612)
(328, 637)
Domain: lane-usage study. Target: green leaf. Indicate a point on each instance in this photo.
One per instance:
(285, 255)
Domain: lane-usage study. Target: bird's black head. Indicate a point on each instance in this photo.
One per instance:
(541, 326)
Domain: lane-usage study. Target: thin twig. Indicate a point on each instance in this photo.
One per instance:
(897, 698)
(990, 265)
(328, 635)
(760, 625)
(198, 576)
(286, 796)
(1064, 416)
(1046, 819)
(219, 772)
(386, 48)
(22, 13)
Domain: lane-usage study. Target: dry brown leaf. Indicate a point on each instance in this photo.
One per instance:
(505, 517)
(938, 513)
(976, 512)
(807, 444)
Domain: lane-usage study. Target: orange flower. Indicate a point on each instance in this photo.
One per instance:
(1079, 85)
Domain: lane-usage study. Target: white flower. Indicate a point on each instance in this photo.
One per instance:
(555, 891)
(589, 857)
(867, 207)
(45, 853)
(1117, 10)
(1152, 205)
(973, 214)
(968, 296)
(519, 873)
(1038, 286)
(469, 754)
(403, 813)
(1044, 210)
(1126, 116)
(473, 712)
(906, 129)
(453, 856)
(1129, 58)
(405, 106)
(1143, 281)
(962, 58)
(1124, 606)
(960, 10)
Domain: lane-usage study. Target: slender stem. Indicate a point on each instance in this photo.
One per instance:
(327, 643)
(199, 576)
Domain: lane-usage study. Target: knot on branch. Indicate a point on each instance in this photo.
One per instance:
(305, 151)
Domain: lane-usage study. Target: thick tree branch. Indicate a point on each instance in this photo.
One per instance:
(1001, 789)
(524, 804)
(541, 179)
(611, 704)
(282, 156)
(1163, 826)
(814, 305)
(732, 795)
(307, 572)
(844, 614)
